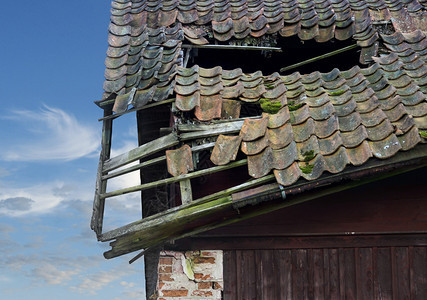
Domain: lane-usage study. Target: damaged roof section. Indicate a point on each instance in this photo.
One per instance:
(331, 120)
(145, 37)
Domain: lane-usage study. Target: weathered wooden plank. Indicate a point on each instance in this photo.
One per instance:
(179, 178)
(230, 274)
(326, 274)
(366, 273)
(319, 282)
(384, 273)
(285, 280)
(402, 272)
(142, 151)
(310, 274)
(239, 274)
(153, 161)
(348, 269)
(334, 279)
(342, 274)
(186, 194)
(101, 185)
(194, 131)
(248, 268)
(110, 102)
(231, 47)
(145, 164)
(420, 273)
(268, 275)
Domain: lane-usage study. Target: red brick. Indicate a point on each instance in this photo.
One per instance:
(161, 284)
(207, 253)
(204, 285)
(165, 277)
(204, 260)
(201, 276)
(165, 261)
(165, 269)
(201, 293)
(175, 293)
(217, 286)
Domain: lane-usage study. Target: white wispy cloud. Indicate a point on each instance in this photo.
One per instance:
(39, 198)
(52, 275)
(96, 281)
(48, 134)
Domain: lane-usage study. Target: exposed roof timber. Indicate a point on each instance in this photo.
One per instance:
(317, 58)
(111, 116)
(198, 217)
(233, 47)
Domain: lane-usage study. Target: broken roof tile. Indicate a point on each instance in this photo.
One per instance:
(225, 149)
(179, 161)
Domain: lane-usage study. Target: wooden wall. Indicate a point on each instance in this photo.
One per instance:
(334, 273)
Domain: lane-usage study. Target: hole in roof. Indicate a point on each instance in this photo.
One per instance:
(294, 51)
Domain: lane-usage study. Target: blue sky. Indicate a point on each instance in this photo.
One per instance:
(51, 72)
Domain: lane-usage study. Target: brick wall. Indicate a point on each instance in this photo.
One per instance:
(190, 275)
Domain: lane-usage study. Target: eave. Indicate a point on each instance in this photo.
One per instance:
(205, 214)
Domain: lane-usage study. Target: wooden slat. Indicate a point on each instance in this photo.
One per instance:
(145, 150)
(230, 275)
(334, 274)
(101, 185)
(366, 273)
(285, 277)
(319, 281)
(384, 271)
(402, 272)
(349, 271)
(420, 273)
(179, 178)
(195, 131)
(285, 274)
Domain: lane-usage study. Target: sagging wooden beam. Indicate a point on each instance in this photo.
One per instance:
(142, 151)
(152, 162)
(317, 58)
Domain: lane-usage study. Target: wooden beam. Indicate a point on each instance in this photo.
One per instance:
(233, 47)
(317, 58)
(142, 151)
(186, 193)
(152, 162)
(111, 116)
(101, 185)
(174, 179)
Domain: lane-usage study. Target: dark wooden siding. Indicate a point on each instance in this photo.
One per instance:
(334, 273)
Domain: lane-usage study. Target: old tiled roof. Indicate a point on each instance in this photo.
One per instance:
(145, 37)
(326, 121)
